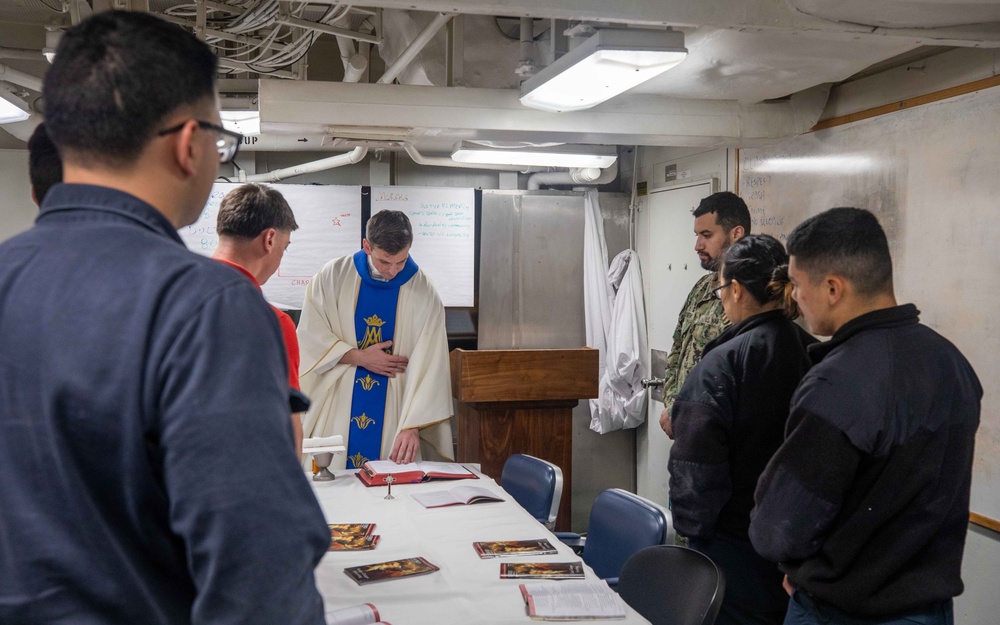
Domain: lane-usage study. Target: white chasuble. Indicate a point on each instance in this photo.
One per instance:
(418, 398)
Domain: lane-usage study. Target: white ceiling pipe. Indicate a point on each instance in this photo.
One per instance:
(415, 47)
(354, 68)
(585, 175)
(348, 158)
(354, 63)
(445, 161)
(20, 78)
(21, 54)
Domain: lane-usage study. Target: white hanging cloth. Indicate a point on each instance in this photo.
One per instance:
(616, 326)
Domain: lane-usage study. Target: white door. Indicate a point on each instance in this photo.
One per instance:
(670, 269)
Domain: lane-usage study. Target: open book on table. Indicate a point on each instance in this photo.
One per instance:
(572, 601)
(374, 472)
(458, 496)
(364, 614)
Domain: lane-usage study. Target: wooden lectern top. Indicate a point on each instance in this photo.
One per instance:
(524, 374)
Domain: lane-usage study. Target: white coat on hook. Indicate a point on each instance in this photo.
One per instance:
(616, 326)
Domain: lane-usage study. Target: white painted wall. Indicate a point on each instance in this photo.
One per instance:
(980, 603)
(18, 212)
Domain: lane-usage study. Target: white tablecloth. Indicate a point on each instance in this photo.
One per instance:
(467, 590)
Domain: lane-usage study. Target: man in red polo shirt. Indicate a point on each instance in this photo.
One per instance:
(255, 224)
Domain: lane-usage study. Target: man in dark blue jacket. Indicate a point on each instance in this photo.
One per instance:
(866, 504)
(146, 456)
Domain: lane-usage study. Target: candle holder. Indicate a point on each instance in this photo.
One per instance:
(388, 481)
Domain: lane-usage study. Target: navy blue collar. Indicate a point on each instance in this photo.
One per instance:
(361, 264)
(63, 198)
(893, 317)
(743, 327)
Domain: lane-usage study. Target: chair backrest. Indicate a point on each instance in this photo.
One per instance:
(622, 523)
(671, 585)
(534, 483)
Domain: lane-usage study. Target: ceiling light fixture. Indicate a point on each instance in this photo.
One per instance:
(552, 156)
(609, 63)
(12, 108)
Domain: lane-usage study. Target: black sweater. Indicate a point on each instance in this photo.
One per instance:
(866, 504)
(729, 419)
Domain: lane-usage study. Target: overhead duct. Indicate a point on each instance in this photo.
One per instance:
(461, 113)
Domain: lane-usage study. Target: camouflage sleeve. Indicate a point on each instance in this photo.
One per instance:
(673, 376)
(701, 320)
(712, 324)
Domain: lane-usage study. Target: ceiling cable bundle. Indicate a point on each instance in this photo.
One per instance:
(269, 45)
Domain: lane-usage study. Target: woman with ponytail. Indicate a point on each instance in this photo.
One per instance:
(729, 419)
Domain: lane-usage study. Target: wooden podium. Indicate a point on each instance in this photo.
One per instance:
(521, 401)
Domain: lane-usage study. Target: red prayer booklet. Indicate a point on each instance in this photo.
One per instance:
(352, 537)
(385, 571)
(374, 472)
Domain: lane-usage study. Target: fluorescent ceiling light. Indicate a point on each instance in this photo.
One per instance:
(609, 63)
(243, 122)
(12, 108)
(553, 156)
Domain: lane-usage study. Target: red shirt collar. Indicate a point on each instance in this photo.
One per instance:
(241, 269)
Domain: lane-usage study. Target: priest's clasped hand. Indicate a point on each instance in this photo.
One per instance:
(375, 359)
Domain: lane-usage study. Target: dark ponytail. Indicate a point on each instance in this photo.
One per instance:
(780, 288)
(760, 264)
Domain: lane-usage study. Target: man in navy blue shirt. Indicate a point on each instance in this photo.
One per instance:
(146, 454)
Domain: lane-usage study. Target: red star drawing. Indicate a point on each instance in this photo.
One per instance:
(336, 221)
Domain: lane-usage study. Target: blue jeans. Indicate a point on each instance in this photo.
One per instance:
(802, 610)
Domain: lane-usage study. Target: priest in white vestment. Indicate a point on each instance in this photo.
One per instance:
(346, 354)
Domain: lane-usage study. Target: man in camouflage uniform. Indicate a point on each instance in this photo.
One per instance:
(719, 221)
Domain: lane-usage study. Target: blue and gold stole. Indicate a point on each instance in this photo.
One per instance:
(374, 322)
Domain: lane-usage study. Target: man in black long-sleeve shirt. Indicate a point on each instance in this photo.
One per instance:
(866, 504)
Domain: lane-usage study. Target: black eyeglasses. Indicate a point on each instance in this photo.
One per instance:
(716, 292)
(227, 142)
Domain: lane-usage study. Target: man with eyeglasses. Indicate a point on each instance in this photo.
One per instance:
(720, 220)
(145, 446)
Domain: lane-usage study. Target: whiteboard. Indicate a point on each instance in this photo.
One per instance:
(329, 219)
(932, 176)
(444, 235)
